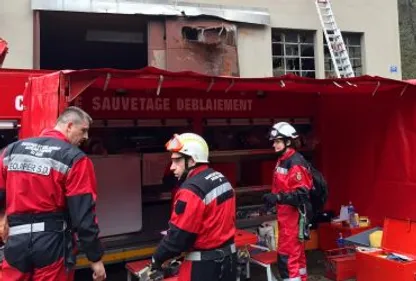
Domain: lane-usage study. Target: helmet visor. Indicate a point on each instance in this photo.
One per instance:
(174, 144)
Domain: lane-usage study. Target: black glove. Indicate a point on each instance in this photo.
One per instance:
(156, 275)
(172, 269)
(156, 271)
(271, 199)
(155, 264)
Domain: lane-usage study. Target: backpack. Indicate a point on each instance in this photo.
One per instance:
(319, 192)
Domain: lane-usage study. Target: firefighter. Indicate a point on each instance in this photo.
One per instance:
(203, 220)
(290, 194)
(48, 188)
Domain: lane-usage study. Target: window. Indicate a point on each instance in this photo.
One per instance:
(293, 52)
(353, 44)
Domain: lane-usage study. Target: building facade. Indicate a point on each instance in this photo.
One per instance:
(241, 38)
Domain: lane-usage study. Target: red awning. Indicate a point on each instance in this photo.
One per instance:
(153, 78)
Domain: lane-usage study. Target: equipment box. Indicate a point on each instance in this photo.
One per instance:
(399, 237)
(328, 234)
(340, 264)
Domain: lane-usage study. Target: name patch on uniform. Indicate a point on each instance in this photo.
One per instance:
(30, 168)
(281, 170)
(38, 149)
(215, 176)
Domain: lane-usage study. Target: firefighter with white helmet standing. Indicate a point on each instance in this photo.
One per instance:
(203, 220)
(290, 193)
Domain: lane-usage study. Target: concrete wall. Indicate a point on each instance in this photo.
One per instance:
(377, 19)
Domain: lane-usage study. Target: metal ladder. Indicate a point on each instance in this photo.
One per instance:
(333, 37)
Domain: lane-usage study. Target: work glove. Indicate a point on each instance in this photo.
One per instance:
(156, 271)
(172, 269)
(271, 199)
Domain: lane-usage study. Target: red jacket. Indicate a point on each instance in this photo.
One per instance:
(292, 181)
(203, 217)
(49, 175)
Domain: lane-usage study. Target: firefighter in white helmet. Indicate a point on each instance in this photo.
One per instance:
(290, 193)
(203, 219)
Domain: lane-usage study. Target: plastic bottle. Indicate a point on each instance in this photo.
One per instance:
(357, 220)
(351, 215)
(340, 241)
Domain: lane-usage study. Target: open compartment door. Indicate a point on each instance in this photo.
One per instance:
(119, 203)
(40, 104)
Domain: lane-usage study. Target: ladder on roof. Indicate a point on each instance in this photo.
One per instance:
(337, 49)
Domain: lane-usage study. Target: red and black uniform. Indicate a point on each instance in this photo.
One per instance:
(202, 224)
(48, 188)
(292, 182)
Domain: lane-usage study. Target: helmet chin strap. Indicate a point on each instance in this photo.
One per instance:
(283, 151)
(187, 168)
(186, 171)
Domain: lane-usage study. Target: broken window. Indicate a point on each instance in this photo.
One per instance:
(293, 52)
(353, 44)
(210, 35)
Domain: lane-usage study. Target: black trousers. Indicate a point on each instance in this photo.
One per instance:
(209, 270)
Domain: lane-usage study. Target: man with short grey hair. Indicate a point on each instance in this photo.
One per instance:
(51, 193)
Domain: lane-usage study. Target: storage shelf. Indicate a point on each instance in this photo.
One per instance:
(254, 221)
(165, 196)
(245, 152)
(255, 188)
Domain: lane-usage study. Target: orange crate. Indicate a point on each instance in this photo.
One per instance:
(340, 264)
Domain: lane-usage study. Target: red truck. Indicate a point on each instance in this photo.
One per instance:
(346, 128)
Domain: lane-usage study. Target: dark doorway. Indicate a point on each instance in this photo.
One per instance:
(84, 40)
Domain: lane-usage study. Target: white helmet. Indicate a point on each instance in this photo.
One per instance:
(282, 130)
(189, 144)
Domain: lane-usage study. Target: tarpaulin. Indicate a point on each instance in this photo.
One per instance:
(41, 103)
(365, 125)
(369, 147)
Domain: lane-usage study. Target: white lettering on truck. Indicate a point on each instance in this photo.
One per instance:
(165, 104)
(18, 103)
(159, 104)
(130, 104)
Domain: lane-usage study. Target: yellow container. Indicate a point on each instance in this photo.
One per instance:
(364, 221)
(375, 239)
